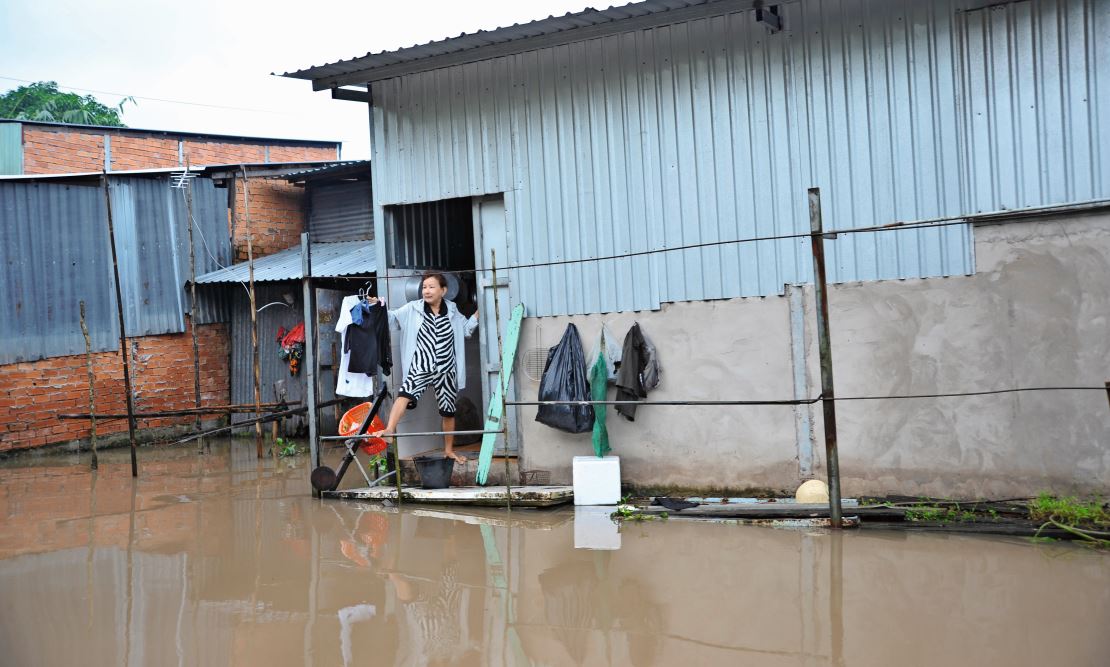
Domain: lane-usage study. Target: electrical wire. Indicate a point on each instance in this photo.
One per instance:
(157, 99)
(924, 223)
(810, 401)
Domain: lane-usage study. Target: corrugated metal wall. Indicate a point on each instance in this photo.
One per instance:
(433, 235)
(273, 368)
(713, 129)
(55, 253)
(11, 148)
(341, 212)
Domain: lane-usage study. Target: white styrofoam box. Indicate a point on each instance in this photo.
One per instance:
(594, 529)
(597, 481)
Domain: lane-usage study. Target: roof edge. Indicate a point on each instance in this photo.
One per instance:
(239, 137)
(439, 54)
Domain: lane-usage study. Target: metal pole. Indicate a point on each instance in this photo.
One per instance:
(254, 312)
(1108, 392)
(193, 294)
(122, 333)
(92, 394)
(310, 348)
(828, 404)
(501, 380)
(405, 435)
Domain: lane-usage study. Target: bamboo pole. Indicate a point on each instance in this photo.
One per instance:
(270, 417)
(184, 412)
(193, 294)
(824, 343)
(254, 310)
(122, 332)
(92, 382)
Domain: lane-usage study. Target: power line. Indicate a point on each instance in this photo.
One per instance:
(894, 227)
(924, 223)
(810, 401)
(158, 99)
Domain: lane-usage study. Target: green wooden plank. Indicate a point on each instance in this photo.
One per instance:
(495, 415)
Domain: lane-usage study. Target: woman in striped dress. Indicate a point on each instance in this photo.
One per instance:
(432, 330)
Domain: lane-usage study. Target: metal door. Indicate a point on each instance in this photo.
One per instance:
(491, 235)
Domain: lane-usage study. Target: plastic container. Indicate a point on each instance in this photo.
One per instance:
(597, 481)
(434, 471)
(353, 419)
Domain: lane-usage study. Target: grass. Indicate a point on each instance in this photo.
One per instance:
(1068, 510)
(946, 514)
(1086, 520)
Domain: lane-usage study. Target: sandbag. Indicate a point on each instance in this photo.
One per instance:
(564, 379)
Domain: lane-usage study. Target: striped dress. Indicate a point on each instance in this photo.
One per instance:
(433, 363)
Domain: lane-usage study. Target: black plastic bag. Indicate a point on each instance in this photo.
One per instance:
(564, 379)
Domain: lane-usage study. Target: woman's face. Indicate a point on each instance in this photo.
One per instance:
(432, 292)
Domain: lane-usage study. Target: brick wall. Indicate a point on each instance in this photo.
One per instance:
(58, 150)
(33, 394)
(276, 217)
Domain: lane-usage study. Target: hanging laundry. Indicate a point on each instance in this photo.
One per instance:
(599, 384)
(292, 348)
(639, 360)
(608, 347)
(367, 339)
(359, 385)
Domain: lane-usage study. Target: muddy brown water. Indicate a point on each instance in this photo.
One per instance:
(221, 559)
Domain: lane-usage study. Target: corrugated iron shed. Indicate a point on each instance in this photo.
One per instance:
(329, 260)
(663, 124)
(55, 252)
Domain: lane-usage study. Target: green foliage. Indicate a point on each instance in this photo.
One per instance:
(1068, 510)
(286, 447)
(43, 101)
(939, 514)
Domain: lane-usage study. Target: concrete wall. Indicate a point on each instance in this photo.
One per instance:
(1036, 313)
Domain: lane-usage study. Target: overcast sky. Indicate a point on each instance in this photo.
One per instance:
(219, 56)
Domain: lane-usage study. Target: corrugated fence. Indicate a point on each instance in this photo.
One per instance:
(54, 253)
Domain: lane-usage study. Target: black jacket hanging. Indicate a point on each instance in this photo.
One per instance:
(369, 342)
(639, 366)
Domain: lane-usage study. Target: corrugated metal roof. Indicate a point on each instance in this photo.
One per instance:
(572, 26)
(357, 167)
(254, 170)
(329, 260)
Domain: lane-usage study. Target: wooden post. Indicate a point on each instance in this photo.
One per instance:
(122, 333)
(309, 349)
(193, 294)
(254, 312)
(92, 382)
(832, 462)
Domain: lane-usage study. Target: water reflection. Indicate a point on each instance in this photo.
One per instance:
(220, 559)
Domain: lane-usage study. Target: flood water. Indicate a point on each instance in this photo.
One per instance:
(221, 559)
